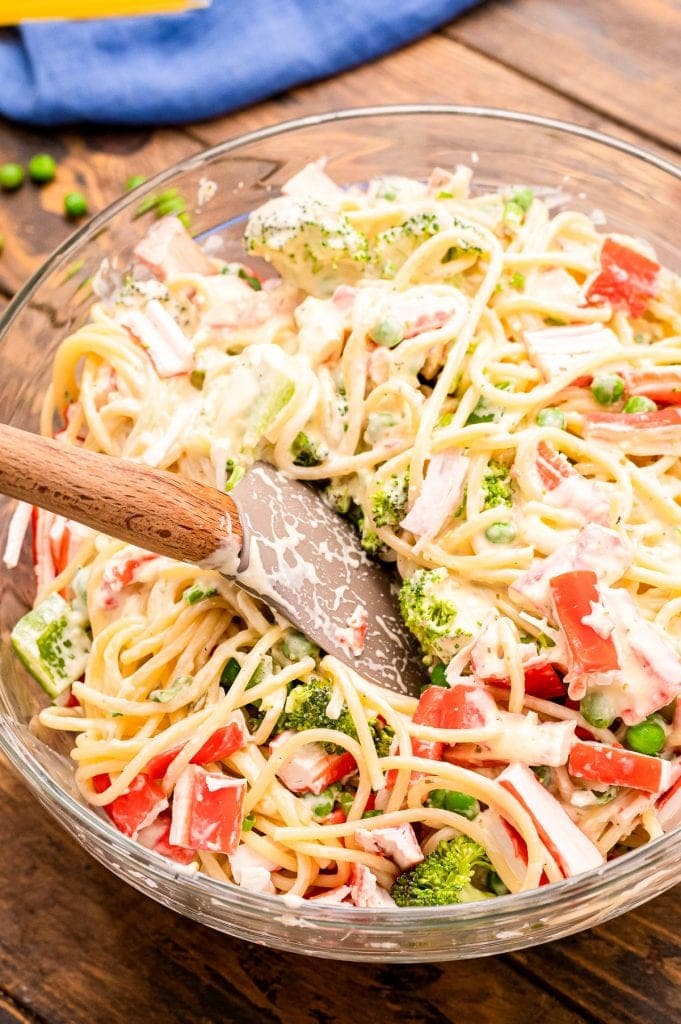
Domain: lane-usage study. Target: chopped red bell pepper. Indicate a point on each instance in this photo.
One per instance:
(220, 745)
(541, 680)
(207, 811)
(573, 594)
(337, 817)
(615, 766)
(133, 810)
(429, 712)
(627, 279)
(156, 837)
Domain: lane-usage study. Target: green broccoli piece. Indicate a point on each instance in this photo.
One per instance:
(497, 485)
(306, 452)
(428, 613)
(394, 245)
(389, 504)
(338, 498)
(445, 876)
(306, 708)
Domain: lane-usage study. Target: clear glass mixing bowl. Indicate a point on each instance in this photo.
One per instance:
(635, 192)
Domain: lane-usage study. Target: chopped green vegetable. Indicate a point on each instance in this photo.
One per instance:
(295, 646)
(170, 205)
(11, 177)
(53, 643)
(647, 737)
(639, 403)
(444, 877)
(544, 774)
(234, 472)
(134, 181)
(607, 388)
(429, 612)
(496, 485)
(248, 823)
(42, 168)
(495, 884)
(250, 280)
(501, 533)
(306, 452)
(523, 198)
(229, 673)
(196, 593)
(457, 803)
(597, 709)
(551, 417)
(438, 675)
(163, 696)
(75, 205)
(517, 280)
(267, 406)
(389, 503)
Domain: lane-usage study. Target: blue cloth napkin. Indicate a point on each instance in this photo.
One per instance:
(185, 67)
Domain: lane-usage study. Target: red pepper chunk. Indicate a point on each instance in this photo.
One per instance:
(541, 680)
(467, 707)
(133, 810)
(224, 741)
(615, 766)
(573, 593)
(627, 279)
(207, 812)
(429, 712)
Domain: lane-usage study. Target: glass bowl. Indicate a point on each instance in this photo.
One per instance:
(632, 191)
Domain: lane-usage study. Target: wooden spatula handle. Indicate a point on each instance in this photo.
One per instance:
(151, 508)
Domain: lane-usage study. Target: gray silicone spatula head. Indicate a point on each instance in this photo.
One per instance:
(302, 558)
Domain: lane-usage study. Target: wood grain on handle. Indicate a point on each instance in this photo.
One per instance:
(151, 508)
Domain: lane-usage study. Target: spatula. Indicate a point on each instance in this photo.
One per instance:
(272, 535)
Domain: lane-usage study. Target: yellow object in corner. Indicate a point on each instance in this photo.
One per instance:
(13, 12)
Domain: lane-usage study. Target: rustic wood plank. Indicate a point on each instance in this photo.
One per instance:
(434, 70)
(618, 57)
(93, 162)
(80, 947)
(625, 972)
(12, 1013)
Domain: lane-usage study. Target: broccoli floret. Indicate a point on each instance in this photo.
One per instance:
(306, 452)
(429, 615)
(394, 246)
(310, 244)
(389, 504)
(306, 708)
(497, 485)
(338, 498)
(445, 876)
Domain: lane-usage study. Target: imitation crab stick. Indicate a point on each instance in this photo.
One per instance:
(615, 766)
(588, 651)
(564, 487)
(573, 851)
(638, 433)
(207, 812)
(660, 383)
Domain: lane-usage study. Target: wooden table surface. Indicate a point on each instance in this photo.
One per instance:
(77, 946)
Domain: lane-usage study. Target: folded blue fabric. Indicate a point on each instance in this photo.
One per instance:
(173, 68)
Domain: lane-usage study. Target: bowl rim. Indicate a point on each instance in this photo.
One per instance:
(502, 910)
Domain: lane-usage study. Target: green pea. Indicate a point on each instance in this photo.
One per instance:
(607, 388)
(387, 332)
(134, 181)
(75, 205)
(495, 884)
(597, 709)
(552, 418)
(437, 676)
(647, 737)
(458, 803)
(501, 533)
(639, 403)
(42, 168)
(11, 176)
